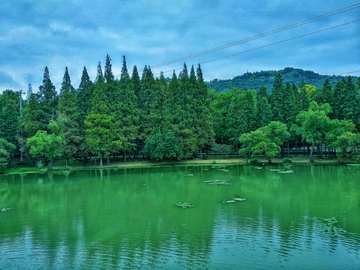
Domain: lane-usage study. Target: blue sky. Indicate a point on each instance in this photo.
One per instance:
(78, 33)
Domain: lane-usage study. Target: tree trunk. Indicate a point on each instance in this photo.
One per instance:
(296, 149)
(50, 163)
(237, 150)
(325, 151)
(124, 155)
(108, 160)
(200, 152)
(101, 160)
(66, 162)
(321, 154)
(288, 150)
(311, 153)
(95, 160)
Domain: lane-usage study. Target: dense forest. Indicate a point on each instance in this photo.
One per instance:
(254, 80)
(147, 117)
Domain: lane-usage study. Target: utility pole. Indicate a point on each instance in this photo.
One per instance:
(21, 153)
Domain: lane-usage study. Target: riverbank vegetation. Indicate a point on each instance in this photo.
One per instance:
(149, 118)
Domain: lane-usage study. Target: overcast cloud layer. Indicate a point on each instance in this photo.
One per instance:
(78, 33)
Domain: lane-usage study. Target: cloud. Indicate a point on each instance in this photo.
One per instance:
(7, 82)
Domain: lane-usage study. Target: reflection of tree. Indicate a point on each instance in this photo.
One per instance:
(109, 218)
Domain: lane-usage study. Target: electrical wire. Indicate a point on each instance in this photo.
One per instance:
(320, 17)
(265, 46)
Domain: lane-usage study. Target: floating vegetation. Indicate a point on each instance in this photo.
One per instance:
(6, 209)
(287, 171)
(184, 205)
(274, 170)
(224, 170)
(259, 168)
(226, 182)
(189, 174)
(330, 229)
(234, 200)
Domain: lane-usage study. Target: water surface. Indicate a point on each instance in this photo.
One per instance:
(127, 219)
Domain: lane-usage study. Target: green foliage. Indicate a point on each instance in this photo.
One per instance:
(162, 145)
(254, 80)
(346, 143)
(224, 149)
(45, 145)
(9, 116)
(266, 140)
(6, 150)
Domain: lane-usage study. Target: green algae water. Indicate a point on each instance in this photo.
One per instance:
(127, 219)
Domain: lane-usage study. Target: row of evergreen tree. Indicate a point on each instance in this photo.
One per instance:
(109, 116)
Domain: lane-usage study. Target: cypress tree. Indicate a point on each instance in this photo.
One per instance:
(108, 75)
(289, 106)
(84, 99)
(126, 113)
(348, 105)
(99, 76)
(261, 93)
(338, 99)
(48, 98)
(68, 117)
(203, 126)
(136, 83)
(263, 112)
(276, 100)
(99, 123)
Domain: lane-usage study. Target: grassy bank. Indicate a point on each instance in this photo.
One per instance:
(59, 165)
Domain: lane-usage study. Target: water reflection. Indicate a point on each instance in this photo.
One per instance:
(127, 219)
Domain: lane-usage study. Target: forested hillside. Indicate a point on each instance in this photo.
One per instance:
(253, 80)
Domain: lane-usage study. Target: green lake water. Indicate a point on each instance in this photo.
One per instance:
(127, 219)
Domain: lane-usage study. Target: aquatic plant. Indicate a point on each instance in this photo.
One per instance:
(330, 229)
(184, 205)
(226, 182)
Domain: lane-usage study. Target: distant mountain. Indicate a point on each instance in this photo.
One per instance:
(253, 80)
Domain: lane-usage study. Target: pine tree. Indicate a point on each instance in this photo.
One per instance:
(68, 118)
(99, 123)
(66, 84)
(338, 99)
(276, 100)
(84, 99)
(48, 98)
(99, 76)
(263, 112)
(261, 93)
(136, 83)
(348, 105)
(289, 106)
(303, 97)
(145, 103)
(241, 116)
(203, 121)
(125, 113)
(108, 75)
(9, 116)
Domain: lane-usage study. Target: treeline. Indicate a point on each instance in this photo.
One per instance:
(107, 117)
(308, 116)
(254, 80)
(150, 117)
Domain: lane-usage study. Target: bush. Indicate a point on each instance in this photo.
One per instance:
(287, 160)
(163, 144)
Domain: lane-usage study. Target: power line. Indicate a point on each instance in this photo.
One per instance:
(268, 45)
(356, 71)
(320, 17)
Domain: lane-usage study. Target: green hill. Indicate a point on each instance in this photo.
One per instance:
(253, 80)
